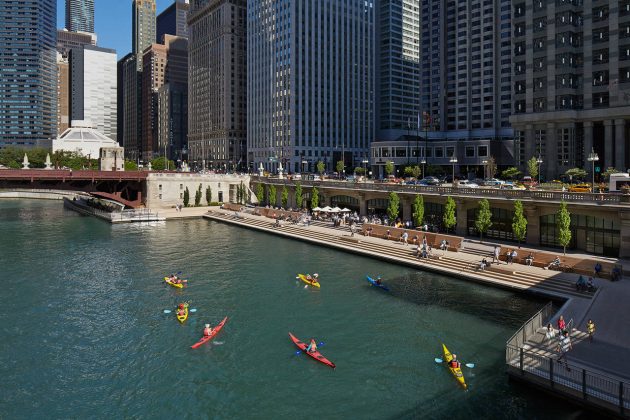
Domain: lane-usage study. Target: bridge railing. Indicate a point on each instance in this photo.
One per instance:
(540, 195)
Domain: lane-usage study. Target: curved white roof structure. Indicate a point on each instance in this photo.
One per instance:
(83, 139)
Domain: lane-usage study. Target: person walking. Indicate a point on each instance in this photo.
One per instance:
(564, 345)
(495, 255)
(561, 324)
(550, 333)
(590, 328)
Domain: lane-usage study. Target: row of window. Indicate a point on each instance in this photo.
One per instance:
(431, 152)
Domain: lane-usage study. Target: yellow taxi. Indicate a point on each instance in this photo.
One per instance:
(582, 188)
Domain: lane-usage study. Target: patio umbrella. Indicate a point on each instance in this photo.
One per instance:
(345, 210)
(336, 210)
(317, 209)
(326, 209)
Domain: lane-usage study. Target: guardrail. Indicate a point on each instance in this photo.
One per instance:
(539, 195)
(531, 326)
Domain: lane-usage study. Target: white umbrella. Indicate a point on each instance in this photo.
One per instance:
(336, 210)
(317, 209)
(346, 210)
(326, 209)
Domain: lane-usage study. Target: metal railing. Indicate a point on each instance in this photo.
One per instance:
(596, 388)
(531, 326)
(539, 195)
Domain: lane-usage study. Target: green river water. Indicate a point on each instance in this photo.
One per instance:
(84, 334)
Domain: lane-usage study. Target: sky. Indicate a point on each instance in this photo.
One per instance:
(112, 22)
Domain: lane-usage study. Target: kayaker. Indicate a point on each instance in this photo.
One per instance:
(454, 363)
(378, 280)
(180, 310)
(207, 330)
(316, 277)
(312, 347)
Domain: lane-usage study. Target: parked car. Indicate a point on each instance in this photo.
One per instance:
(464, 183)
(512, 187)
(493, 182)
(580, 188)
(430, 180)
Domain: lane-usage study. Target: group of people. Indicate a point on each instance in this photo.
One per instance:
(175, 279)
(564, 344)
(583, 285)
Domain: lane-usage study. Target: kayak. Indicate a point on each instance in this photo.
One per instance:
(315, 355)
(374, 283)
(214, 332)
(457, 372)
(311, 282)
(178, 285)
(182, 318)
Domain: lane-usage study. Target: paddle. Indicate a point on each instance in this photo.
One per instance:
(300, 351)
(468, 365)
(168, 311)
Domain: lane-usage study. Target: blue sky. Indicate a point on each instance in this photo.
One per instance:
(112, 22)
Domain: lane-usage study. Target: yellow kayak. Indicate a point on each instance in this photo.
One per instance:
(182, 318)
(311, 282)
(178, 285)
(457, 372)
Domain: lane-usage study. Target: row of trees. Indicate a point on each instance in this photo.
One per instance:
(271, 196)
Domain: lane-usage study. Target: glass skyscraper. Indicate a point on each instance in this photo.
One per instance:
(80, 15)
(310, 82)
(28, 76)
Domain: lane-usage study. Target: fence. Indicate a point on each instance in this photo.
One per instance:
(530, 327)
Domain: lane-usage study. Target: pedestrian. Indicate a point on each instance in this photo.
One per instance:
(352, 229)
(495, 255)
(550, 333)
(513, 256)
(590, 328)
(564, 345)
(508, 257)
(561, 324)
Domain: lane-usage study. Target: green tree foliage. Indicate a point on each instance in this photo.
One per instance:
(359, 170)
(510, 173)
(208, 195)
(159, 164)
(563, 220)
(284, 196)
(244, 194)
(609, 171)
(321, 167)
(298, 195)
(519, 222)
(532, 167)
(314, 198)
(389, 167)
(198, 196)
(393, 207)
(340, 167)
(260, 193)
(186, 197)
(576, 173)
(12, 157)
(449, 219)
(413, 171)
(418, 210)
(130, 165)
(434, 170)
(491, 167)
(273, 195)
(484, 218)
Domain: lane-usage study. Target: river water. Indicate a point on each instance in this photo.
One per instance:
(84, 333)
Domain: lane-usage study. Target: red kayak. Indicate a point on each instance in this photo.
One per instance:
(315, 355)
(214, 332)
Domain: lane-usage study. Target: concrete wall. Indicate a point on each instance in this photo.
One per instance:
(165, 190)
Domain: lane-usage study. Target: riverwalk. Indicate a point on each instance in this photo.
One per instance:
(606, 306)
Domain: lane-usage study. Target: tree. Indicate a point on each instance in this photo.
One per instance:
(260, 193)
(321, 167)
(359, 170)
(160, 164)
(130, 165)
(208, 195)
(244, 193)
(340, 167)
(284, 196)
(484, 218)
(412, 171)
(532, 167)
(510, 173)
(418, 210)
(273, 196)
(449, 219)
(577, 173)
(186, 197)
(198, 196)
(491, 167)
(519, 222)
(608, 172)
(563, 220)
(298, 195)
(394, 206)
(389, 167)
(314, 198)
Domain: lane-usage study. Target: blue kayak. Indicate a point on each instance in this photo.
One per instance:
(374, 283)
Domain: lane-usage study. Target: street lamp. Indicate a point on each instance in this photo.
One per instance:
(485, 169)
(304, 163)
(365, 162)
(539, 161)
(453, 160)
(423, 162)
(593, 157)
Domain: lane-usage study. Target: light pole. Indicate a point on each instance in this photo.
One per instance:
(423, 162)
(539, 161)
(304, 163)
(365, 162)
(593, 157)
(485, 169)
(453, 160)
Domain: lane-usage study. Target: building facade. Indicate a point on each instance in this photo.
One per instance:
(67, 40)
(28, 80)
(571, 83)
(93, 92)
(310, 83)
(130, 110)
(80, 15)
(217, 84)
(143, 27)
(172, 121)
(63, 93)
(173, 21)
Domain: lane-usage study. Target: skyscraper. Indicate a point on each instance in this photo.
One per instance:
(173, 21)
(80, 15)
(217, 83)
(310, 83)
(28, 80)
(67, 40)
(143, 27)
(130, 110)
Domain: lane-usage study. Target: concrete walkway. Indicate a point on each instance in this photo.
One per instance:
(185, 213)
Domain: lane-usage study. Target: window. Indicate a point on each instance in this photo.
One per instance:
(439, 152)
(482, 151)
(470, 151)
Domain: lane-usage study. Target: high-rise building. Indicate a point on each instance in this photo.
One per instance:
(310, 83)
(28, 76)
(217, 83)
(571, 84)
(63, 93)
(162, 64)
(80, 15)
(172, 121)
(173, 21)
(130, 110)
(67, 40)
(143, 27)
(93, 88)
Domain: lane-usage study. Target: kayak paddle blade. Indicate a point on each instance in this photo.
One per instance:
(193, 310)
(470, 365)
(167, 311)
(438, 360)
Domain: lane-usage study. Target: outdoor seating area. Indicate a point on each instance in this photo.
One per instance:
(414, 236)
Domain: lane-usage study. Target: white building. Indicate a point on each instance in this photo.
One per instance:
(93, 81)
(83, 139)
